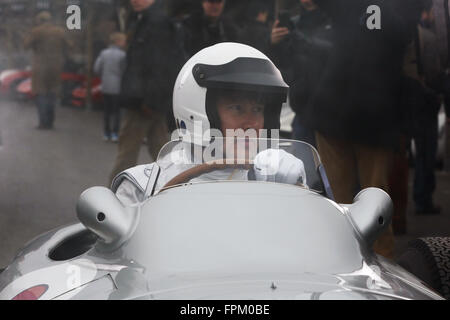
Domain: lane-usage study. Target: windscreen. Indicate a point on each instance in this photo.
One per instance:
(240, 159)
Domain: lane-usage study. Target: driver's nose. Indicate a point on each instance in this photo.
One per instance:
(253, 121)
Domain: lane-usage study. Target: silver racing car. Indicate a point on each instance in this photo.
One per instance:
(198, 235)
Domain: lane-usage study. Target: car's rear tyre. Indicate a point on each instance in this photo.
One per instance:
(429, 260)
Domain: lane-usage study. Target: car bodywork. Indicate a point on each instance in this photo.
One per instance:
(257, 247)
(217, 240)
(79, 94)
(9, 79)
(17, 83)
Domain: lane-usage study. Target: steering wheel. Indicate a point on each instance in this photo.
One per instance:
(206, 167)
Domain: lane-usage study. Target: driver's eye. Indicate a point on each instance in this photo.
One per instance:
(235, 107)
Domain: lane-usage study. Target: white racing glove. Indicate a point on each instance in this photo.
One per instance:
(276, 165)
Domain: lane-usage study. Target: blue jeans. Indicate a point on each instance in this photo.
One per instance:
(46, 109)
(111, 114)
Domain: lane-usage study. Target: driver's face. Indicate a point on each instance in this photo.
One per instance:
(238, 113)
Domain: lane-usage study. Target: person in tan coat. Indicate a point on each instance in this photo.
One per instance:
(49, 45)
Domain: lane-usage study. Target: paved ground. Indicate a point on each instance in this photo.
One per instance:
(42, 174)
(428, 226)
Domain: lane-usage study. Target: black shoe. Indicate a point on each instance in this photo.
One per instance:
(428, 210)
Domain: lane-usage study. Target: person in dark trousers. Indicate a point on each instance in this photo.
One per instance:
(300, 47)
(110, 65)
(424, 71)
(256, 30)
(207, 27)
(146, 88)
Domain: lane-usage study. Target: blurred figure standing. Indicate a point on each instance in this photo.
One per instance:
(208, 27)
(256, 31)
(356, 110)
(300, 46)
(110, 65)
(49, 45)
(424, 72)
(146, 88)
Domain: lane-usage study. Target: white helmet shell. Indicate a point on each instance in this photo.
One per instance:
(189, 97)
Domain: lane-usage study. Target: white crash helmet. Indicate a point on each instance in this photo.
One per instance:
(227, 65)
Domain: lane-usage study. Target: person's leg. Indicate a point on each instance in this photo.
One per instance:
(40, 104)
(419, 189)
(115, 114)
(157, 135)
(107, 105)
(434, 136)
(374, 167)
(134, 128)
(429, 166)
(398, 186)
(51, 101)
(46, 111)
(338, 159)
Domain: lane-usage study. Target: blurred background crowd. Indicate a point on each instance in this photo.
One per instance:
(372, 101)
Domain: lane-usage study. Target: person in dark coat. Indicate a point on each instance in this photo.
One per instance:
(146, 90)
(358, 100)
(256, 30)
(425, 70)
(356, 110)
(207, 27)
(302, 54)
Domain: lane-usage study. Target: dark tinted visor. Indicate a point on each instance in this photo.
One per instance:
(243, 74)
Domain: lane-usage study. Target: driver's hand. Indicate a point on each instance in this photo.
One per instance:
(276, 165)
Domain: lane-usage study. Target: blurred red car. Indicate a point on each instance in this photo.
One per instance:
(79, 94)
(17, 84)
(23, 89)
(10, 79)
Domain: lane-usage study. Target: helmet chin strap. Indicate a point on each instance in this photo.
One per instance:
(211, 110)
